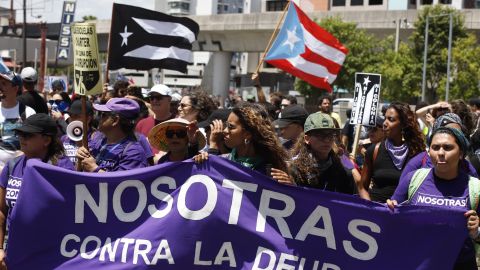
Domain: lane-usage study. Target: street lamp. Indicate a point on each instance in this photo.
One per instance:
(424, 75)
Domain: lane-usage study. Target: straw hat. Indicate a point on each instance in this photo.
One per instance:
(158, 139)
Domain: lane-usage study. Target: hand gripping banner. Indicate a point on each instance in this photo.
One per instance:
(217, 215)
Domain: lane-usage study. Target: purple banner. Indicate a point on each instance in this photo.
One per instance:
(217, 215)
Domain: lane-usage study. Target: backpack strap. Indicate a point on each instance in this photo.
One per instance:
(416, 181)
(424, 159)
(473, 192)
(21, 111)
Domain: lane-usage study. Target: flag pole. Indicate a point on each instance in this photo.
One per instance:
(274, 34)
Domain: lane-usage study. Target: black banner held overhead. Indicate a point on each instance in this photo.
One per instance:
(143, 39)
(366, 98)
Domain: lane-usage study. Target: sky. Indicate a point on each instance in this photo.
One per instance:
(51, 10)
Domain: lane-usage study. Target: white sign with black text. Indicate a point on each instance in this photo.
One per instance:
(366, 98)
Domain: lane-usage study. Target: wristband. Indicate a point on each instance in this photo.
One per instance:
(97, 169)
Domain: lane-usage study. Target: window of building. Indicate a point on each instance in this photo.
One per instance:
(356, 2)
(426, 2)
(375, 2)
(181, 5)
(338, 3)
(413, 2)
(276, 5)
(445, 2)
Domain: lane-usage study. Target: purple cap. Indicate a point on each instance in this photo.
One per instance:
(124, 106)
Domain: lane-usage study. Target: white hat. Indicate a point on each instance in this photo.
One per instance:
(161, 89)
(176, 97)
(29, 74)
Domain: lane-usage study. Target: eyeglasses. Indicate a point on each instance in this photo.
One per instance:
(180, 133)
(106, 114)
(183, 105)
(25, 135)
(54, 101)
(322, 135)
(156, 97)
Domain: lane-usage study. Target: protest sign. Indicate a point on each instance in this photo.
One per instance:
(86, 65)
(64, 40)
(217, 215)
(366, 98)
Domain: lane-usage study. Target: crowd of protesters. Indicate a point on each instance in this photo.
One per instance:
(434, 149)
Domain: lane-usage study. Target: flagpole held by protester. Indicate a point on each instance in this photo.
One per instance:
(306, 50)
(274, 34)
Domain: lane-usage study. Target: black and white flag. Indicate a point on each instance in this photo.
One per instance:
(144, 39)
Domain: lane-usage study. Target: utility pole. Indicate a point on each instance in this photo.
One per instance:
(424, 72)
(450, 28)
(24, 33)
(397, 33)
(43, 35)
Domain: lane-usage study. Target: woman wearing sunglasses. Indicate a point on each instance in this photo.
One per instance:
(176, 137)
(317, 165)
(38, 140)
(117, 149)
(12, 114)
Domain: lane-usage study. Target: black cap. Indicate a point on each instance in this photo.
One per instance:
(291, 114)
(76, 107)
(39, 123)
(220, 114)
(379, 121)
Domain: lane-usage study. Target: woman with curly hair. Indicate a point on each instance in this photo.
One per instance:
(460, 108)
(196, 106)
(251, 136)
(385, 160)
(316, 163)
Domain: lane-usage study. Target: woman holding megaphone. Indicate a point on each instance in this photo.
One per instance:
(117, 147)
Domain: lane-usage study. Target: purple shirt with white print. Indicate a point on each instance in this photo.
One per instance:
(12, 183)
(442, 193)
(125, 155)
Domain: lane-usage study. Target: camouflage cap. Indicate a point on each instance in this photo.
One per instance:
(319, 120)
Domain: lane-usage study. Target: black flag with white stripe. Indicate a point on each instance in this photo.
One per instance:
(144, 39)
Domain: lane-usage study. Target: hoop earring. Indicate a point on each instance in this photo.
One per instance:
(246, 141)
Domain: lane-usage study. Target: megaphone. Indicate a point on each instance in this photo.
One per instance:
(75, 131)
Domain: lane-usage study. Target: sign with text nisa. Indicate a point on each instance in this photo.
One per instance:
(64, 39)
(366, 98)
(86, 65)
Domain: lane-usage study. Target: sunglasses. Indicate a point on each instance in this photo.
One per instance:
(325, 136)
(180, 133)
(106, 114)
(156, 97)
(56, 101)
(183, 105)
(25, 135)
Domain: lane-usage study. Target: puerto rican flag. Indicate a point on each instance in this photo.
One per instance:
(307, 51)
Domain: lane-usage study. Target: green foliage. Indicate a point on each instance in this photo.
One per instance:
(88, 18)
(362, 54)
(437, 43)
(465, 70)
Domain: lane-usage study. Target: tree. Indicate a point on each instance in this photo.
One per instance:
(401, 72)
(88, 18)
(362, 56)
(465, 70)
(437, 43)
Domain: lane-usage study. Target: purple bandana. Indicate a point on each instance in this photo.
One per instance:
(398, 154)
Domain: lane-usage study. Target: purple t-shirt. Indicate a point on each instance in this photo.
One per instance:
(71, 147)
(423, 160)
(436, 192)
(126, 155)
(13, 182)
